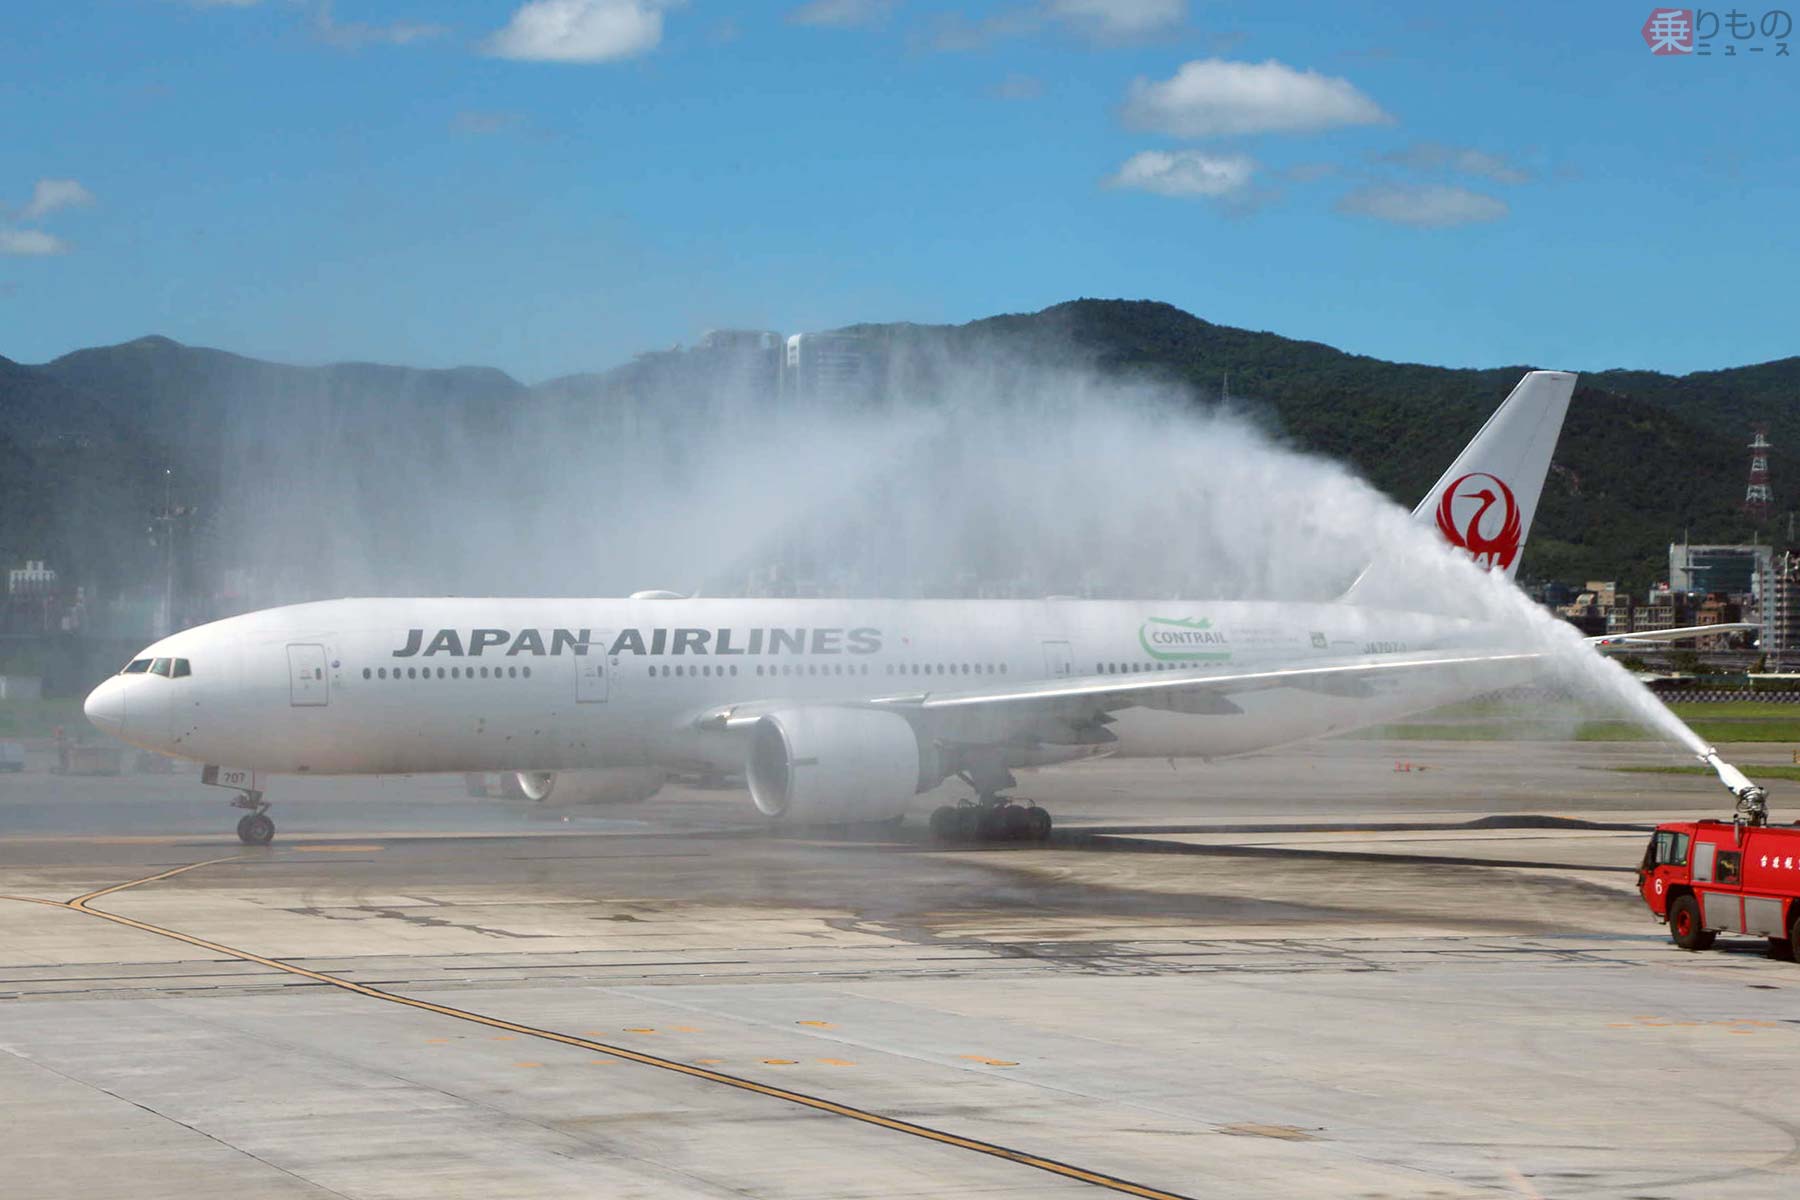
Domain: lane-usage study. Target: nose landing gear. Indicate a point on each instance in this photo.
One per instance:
(256, 827)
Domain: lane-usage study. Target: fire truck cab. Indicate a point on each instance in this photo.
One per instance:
(1711, 877)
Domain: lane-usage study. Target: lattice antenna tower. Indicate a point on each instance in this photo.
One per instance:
(1757, 497)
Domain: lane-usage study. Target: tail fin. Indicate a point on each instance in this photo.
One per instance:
(1485, 501)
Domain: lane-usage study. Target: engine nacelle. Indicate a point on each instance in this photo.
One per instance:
(836, 764)
(533, 785)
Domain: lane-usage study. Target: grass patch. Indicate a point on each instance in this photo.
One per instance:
(1485, 721)
(1756, 770)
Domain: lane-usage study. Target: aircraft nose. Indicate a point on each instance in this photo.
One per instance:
(105, 707)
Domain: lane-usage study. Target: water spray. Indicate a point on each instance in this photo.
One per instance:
(1752, 799)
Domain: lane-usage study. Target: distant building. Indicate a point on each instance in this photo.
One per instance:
(1716, 609)
(739, 369)
(828, 368)
(33, 579)
(1736, 570)
(21, 687)
(1781, 617)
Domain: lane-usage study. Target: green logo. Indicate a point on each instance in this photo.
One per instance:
(1173, 640)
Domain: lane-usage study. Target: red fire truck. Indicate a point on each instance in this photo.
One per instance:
(1711, 877)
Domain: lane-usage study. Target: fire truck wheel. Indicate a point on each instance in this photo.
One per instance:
(1684, 925)
(1781, 949)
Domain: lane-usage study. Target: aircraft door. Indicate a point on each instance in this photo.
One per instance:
(1059, 661)
(594, 671)
(307, 685)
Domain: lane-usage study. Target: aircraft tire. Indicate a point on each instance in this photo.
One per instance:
(256, 829)
(1015, 823)
(1039, 823)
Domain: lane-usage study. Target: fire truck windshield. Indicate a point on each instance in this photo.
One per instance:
(1667, 848)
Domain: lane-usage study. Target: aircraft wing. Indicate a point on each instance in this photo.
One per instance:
(1081, 701)
(1652, 636)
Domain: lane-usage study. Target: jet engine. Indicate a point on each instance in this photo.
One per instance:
(533, 785)
(837, 764)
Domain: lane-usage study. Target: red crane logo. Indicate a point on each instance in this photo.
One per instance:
(1491, 551)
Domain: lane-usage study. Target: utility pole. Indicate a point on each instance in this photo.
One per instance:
(163, 524)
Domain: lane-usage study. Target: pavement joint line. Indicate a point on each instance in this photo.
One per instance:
(83, 902)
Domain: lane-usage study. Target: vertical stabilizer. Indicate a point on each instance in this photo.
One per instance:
(1485, 501)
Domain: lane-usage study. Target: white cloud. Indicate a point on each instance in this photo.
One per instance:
(354, 35)
(581, 30)
(1214, 98)
(31, 243)
(1117, 20)
(842, 14)
(48, 195)
(1185, 173)
(1104, 21)
(1435, 156)
(1429, 206)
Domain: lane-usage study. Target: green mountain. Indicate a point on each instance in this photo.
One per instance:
(1643, 458)
(85, 439)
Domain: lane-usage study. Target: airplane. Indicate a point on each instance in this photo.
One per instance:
(833, 710)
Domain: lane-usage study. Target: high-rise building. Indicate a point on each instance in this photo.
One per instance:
(1738, 570)
(828, 368)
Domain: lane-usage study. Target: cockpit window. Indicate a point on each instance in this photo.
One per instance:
(181, 668)
(136, 666)
(161, 667)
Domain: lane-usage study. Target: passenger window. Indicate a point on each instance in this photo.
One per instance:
(136, 666)
(160, 667)
(411, 672)
(381, 672)
(734, 670)
(1730, 866)
(181, 668)
(526, 671)
(367, 673)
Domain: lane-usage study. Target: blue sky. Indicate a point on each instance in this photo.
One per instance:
(553, 185)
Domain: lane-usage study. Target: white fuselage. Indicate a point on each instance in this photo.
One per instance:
(375, 686)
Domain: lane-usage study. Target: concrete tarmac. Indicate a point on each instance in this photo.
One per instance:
(1351, 969)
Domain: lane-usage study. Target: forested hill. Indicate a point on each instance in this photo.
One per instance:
(84, 439)
(1643, 456)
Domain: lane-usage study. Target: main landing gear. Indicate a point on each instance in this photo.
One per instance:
(990, 819)
(256, 827)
